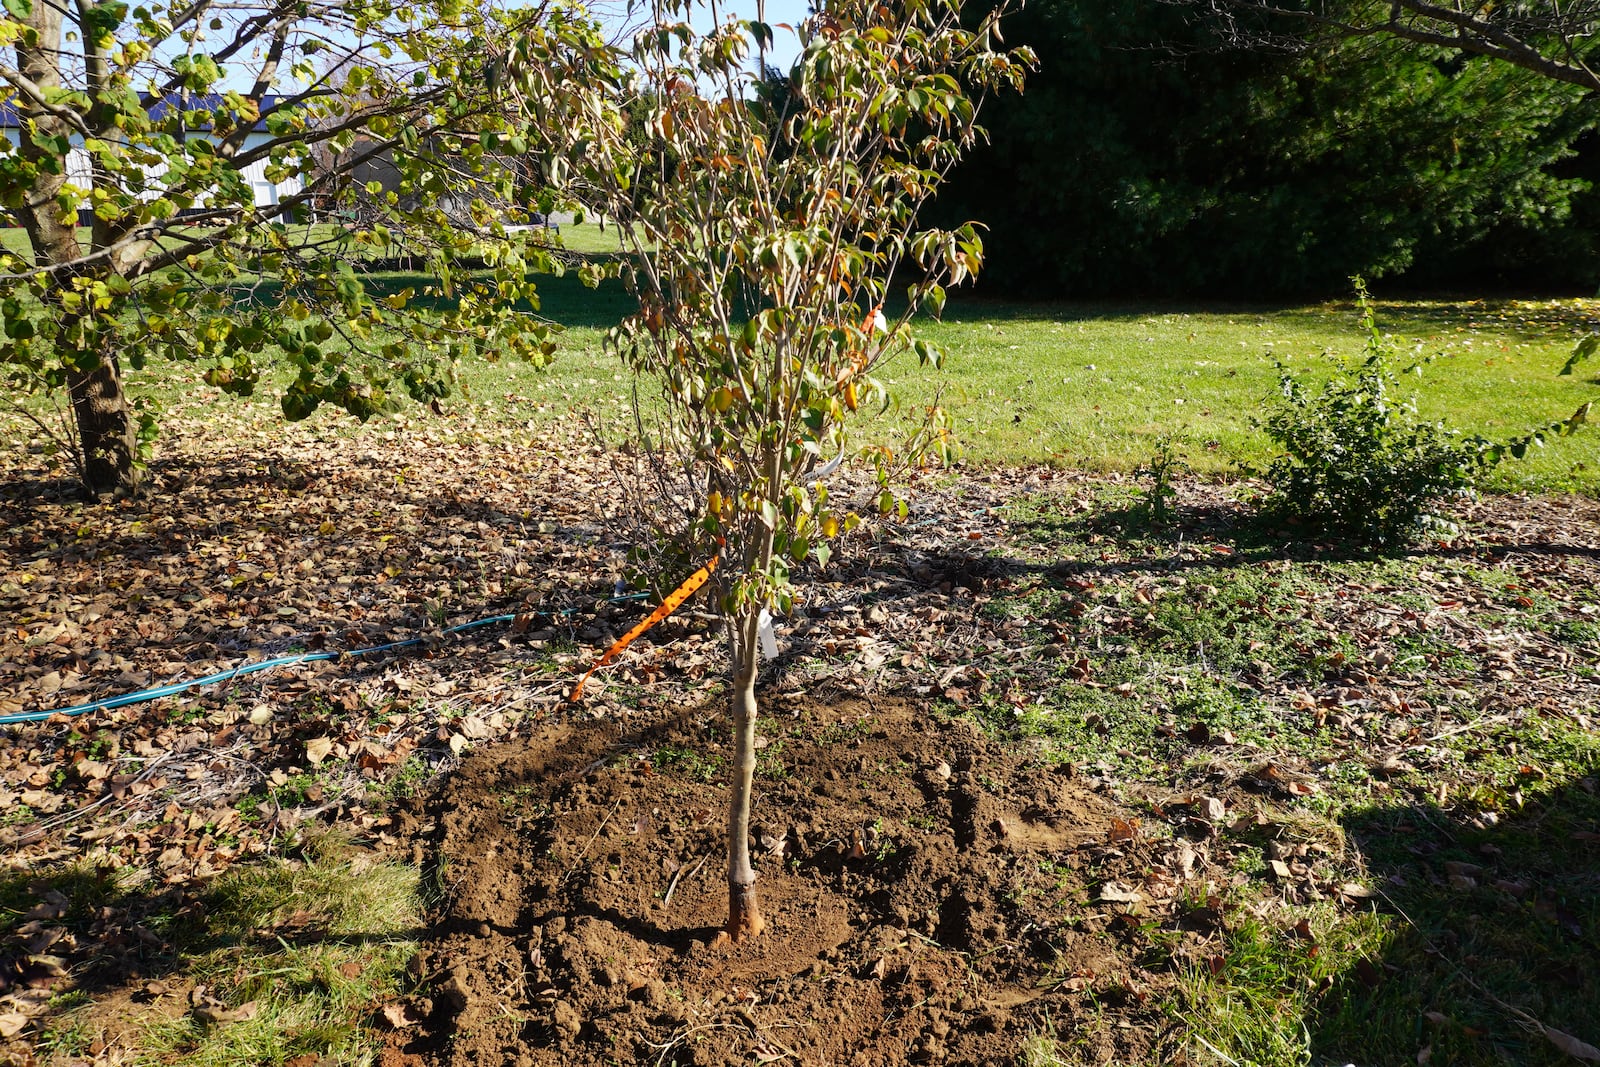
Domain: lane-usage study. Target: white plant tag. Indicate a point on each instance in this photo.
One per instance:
(769, 637)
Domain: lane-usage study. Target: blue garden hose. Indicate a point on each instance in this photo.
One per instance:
(250, 668)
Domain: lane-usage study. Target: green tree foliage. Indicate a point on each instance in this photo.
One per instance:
(378, 123)
(763, 257)
(1148, 158)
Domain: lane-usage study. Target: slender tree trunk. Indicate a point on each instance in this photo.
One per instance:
(106, 431)
(744, 913)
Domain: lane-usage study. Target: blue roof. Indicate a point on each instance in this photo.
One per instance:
(158, 110)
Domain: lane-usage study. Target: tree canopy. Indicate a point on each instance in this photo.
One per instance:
(135, 130)
(1550, 39)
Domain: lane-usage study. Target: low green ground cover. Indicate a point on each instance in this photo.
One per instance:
(1419, 725)
(1097, 387)
(283, 959)
(1100, 388)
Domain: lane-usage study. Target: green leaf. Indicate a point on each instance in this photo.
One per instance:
(19, 8)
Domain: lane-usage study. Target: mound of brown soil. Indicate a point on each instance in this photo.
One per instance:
(930, 897)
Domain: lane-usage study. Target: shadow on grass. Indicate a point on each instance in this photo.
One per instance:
(1230, 535)
(1527, 320)
(268, 961)
(1493, 917)
(114, 935)
(969, 309)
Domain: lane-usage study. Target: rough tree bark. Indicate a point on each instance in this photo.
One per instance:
(108, 438)
(106, 430)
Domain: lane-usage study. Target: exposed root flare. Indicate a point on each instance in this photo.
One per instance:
(744, 915)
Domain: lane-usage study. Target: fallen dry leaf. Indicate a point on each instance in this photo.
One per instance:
(1573, 1047)
(1210, 809)
(1119, 893)
(1122, 830)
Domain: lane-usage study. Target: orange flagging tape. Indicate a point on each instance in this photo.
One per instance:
(673, 602)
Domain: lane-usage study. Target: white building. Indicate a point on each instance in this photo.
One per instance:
(266, 192)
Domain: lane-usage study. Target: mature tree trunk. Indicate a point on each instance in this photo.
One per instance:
(107, 438)
(106, 433)
(744, 914)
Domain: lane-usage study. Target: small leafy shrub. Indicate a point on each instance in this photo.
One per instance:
(1167, 462)
(1356, 461)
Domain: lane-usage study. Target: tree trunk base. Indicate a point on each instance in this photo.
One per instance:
(106, 432)
(744, 915)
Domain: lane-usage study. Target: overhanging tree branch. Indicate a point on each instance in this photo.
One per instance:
(1545, 37)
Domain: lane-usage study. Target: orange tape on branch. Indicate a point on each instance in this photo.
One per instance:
(673, 602)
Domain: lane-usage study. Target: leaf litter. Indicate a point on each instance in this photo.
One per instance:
(308, 538)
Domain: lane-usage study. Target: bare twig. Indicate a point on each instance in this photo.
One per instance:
(590, 843)
(673, 886)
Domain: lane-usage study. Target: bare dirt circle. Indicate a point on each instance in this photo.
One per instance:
(931, 897)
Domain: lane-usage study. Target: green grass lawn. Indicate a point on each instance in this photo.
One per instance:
(1100, 386)
(1096, 387)
(590, 237)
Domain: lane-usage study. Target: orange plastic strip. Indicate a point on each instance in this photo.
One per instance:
(672, 603)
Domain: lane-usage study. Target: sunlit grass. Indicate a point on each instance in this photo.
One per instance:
(1096, 387)
(288, 958)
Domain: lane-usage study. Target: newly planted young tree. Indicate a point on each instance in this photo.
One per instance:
(210, 182)
(772, 234)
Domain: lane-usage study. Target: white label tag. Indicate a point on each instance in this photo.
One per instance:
(768, 636)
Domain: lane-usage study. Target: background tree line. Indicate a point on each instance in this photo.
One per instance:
(1162, 150)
